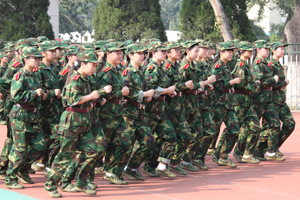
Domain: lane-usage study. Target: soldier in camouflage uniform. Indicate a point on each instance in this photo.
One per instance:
(245, 111)
(279, 98)
(3, 67)
(263, 103)
(223, 108)
(26, 91)
(75, 126)
(134, 112)
(57, 65)
(41, 39)
(117, 138)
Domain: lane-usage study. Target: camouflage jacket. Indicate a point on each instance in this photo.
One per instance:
(279, 96)
(111, 76)
(62, 76)
(247, 85)
(188, 71)
(76, 87)
(222, 84)
(261, 71)
(23, 92)
(155, 78)
(94, 85)
(174, 105)
(202, 75)
(211, 94)
(135, 81)
(3, 69)
(57, 68)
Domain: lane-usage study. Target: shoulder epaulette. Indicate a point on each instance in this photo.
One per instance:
(63, 63)
(123, 63)
(151, 67)
(16, 64)
(270, 63)
(168, 65)
(107, 69)
(125, 72)
(18, 75)
(217, 65)
(241, 64)
(14, 60)
(65, 72)
(35, 69)
(258, 61)
(186, 66)
(76, 77)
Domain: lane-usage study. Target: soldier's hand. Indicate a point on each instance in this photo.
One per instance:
(57, 92)
(287, 81)
(237, 80)
(125, 91)
(276, 78)
(95, 95)
(200, 90)
(103, 102)
(212, 79)
(44, 96)
(1, 95)
(39, 92)
(258, 81)
(171, 89)
(189, 84)
(210, 87)
(149, 99)
(108, 88)
(149, 93)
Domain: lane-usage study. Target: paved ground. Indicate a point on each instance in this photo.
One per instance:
(268, 180)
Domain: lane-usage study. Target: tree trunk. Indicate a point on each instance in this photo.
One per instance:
(283, 36)
(292, 27)
(222, 19)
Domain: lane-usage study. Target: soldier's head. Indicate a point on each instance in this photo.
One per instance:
(226, 51)
(3, 57)
(20, 44)
(135, 54)
(71, 54)
(48, 50)
(203, 49)
(277, 49)
(87, 63)
(261, 49)
(174, 50)
(31, 57)
(114, 53)
(245, 49)
(191, 50)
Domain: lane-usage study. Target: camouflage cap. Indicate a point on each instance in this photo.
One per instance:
(188, 44)
(58, 44)
(234, 42)
(99, 44)
(244, 45)
(275, 45)
(3, 54)
(9, 46)
(22, 43)
(133, 48)
(202, 43)
(88, 56)
(47, 46)
(41, 39)
(73, 49)
(86, 47)
(33, 41)
(110, 40)
(112, 46)
(225, 46)
(128, 42)
(156, 46)
(261, 44)
(171, 45)
(30, 52)
(146, 42)
(65, 43)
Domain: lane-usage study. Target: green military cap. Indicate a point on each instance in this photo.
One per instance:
(33, 41)
(47, 46)
(277, 44)
(156, 46)
(65, 43)
(202, 43)
(112, 46)
(171, 45)
(73, 49)
(261, 44)
(110, 40)
(244, 45)
(30, 52)
(128, 42)
(3, 54)
(9, 46)
(188, 44)
(99, 44)
(87, 56)
(41, 39)
(225, 46)
(146, 42)
(133, 48)
(234, 42)
(21, 43)
(121, 44)
(58, 44)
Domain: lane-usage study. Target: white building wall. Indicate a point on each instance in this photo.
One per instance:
(53, 12)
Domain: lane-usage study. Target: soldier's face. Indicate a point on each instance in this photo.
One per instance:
(137, 57)
(160, 56)
(89, 69)
(9, 54)
(115, 57)
(213, 52)
(203, 52)
(263, 52)
(279, 52)
(32, 62)
(193, 53)
(72, 58)
(4, 59)
(174, 53)
(49, 55)
(247, 54)
(59, 54)
(227, 55)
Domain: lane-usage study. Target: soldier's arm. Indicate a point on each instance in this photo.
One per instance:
(220, 84)
(281, 82)
(259, 75)
(128, 81)
(106, 78)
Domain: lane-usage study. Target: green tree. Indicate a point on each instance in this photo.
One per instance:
(170, 13)
(24, 19)
(128, 20)
(259, 32)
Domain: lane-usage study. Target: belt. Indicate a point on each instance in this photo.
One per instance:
(227, 91)
(83, 110)
(241, 92)
(161, 98)
(267, 88)
(138, 105)
(119, 102)
(204, 92)
(194, 92)
(32, 109)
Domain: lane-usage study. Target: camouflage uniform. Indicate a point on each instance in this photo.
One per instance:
(2, 100)
(263, 104)
(24, 120)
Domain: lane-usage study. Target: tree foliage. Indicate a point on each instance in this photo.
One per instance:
(24, 19)
(128, 20)
(170, 13)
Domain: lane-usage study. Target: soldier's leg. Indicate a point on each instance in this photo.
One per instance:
(8, 142)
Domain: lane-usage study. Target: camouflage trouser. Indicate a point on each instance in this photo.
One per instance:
(249, 130)
(268, 139)
(195, 122)
(288, 124)
(118, 142)
(8, 142)
(70, 172)
(71, 141)
(208, 134)
(164, 142)
(184, 136)
(139, 130)
(2, 107)
(24, 134)
(230, 134)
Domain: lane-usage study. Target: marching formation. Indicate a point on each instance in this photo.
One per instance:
(76, 111)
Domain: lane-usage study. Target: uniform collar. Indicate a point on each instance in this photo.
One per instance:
(155, 63)
(132, 69)
(25, 71)
(42, 65)
(115, 70)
